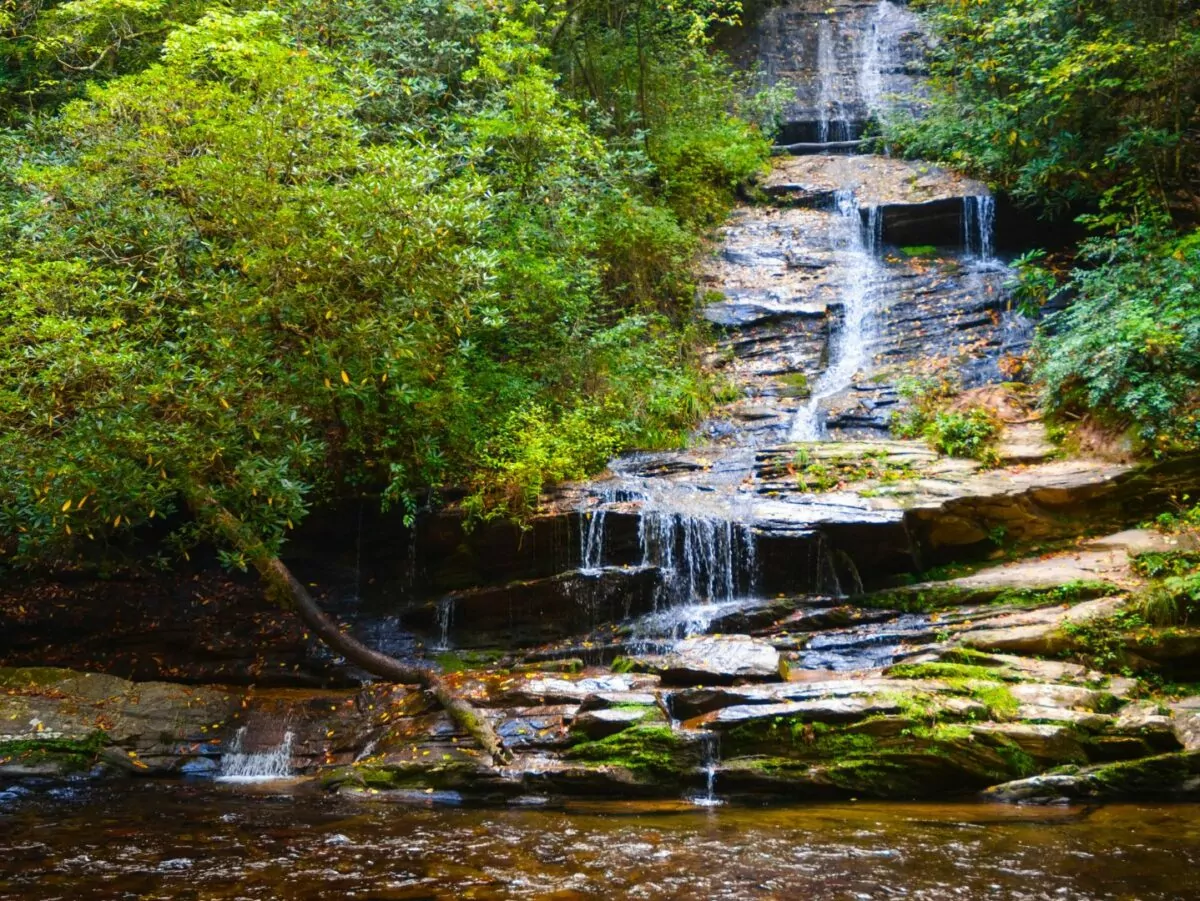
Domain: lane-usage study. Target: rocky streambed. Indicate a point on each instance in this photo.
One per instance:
(768, 614)
(978, 688)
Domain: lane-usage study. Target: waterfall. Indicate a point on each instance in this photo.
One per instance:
(591, 541)
(711, 760)
(261, 766)
(882, 55)
(979, 227)
(831, 118)
(857, 296)
(445, 618)
(700, 558)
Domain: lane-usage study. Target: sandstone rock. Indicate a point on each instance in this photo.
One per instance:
(1186, 724)
(1052, 695)
(1080, 719)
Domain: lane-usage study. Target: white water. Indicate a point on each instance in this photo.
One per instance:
(445, 618)
(882, 55)
(712, 759)
(831, 116)
(700, 558)
(261, 766)
(591, 541)
(858, 297)
(979, 228)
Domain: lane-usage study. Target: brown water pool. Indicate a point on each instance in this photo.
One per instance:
(204, 841)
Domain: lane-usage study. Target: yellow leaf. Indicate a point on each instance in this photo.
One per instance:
(224, 403)
(66, 506)
(117, 521)
(328, 384)
(345, 377)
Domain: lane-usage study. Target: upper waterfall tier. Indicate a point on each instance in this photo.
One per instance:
(848, 61)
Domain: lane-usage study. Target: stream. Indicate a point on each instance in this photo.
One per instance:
(196, 841)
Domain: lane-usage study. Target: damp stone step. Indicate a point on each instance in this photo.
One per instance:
(713, 660)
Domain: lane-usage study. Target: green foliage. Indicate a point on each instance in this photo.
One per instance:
(1066, 102)
(1172, 597)
(1102, 642)
(1128, 347)
(970, 432)
(1088, 107)
(285, 255)
(964, 433)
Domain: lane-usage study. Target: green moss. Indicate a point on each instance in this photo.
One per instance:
(928, 598)
(463, 661)
(1067, 593)
(647, 751)
(1018, 763)
(825, 473)
(998, 699)
(796, 382)
(67, 753)
(25, 677)
(919, 250)
(623, 665)
(942, 671)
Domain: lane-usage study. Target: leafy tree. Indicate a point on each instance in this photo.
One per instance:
(1089, 108)
(294, 259)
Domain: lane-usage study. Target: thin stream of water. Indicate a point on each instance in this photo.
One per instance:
(858, 298)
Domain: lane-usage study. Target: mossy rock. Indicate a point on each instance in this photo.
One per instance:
(56, 755)
(923, 763)
(648, 752)
(1173, 777)
(927, 597)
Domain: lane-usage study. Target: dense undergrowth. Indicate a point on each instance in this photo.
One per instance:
(290, 252)
(1083, 108)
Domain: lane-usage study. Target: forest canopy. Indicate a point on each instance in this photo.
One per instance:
(284, 254)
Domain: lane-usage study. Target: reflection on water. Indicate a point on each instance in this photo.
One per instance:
(150, 841)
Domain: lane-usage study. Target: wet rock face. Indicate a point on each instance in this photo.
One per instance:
(714, 660)
(846, 61)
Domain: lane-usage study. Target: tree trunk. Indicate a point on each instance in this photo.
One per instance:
(287, 590)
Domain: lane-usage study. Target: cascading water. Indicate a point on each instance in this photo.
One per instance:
(445, 619)
(859, 247)
(711, 760)
(882, 55)
(831, 117)
(979, 228)
(699, 558)
(591, 542)
(260, 766)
